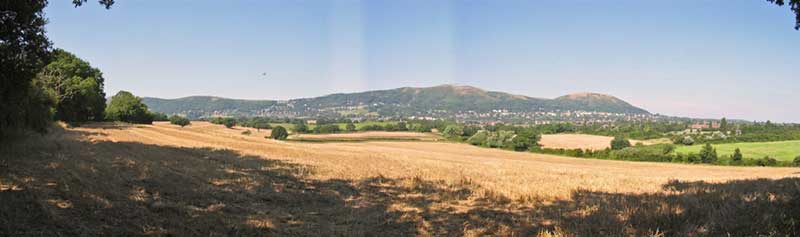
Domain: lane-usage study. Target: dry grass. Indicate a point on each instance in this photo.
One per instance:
(366, 136)
(208, 180)
(585, 141)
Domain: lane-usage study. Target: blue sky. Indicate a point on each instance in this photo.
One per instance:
(698, 58)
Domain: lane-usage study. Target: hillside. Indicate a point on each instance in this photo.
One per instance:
(439, 101)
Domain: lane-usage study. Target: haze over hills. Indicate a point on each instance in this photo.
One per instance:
(444, 101)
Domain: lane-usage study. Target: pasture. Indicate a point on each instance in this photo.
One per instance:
(205, 179)
(783, 150)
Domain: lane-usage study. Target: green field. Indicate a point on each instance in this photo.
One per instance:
(784, 150)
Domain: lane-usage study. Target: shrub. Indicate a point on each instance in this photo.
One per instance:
(796, 161)
(178, 120)
(619, 143)
(736, 158)
(350, 127)
(767, 161)
(300, 128)
(247, 132)
(279, 133)
(479, 138)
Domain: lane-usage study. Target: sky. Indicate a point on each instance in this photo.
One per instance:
(694, 58)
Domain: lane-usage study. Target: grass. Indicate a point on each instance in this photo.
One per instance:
(117, 179)
(783, 150)
(585, 141)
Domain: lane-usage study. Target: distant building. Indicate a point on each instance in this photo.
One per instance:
(311, 121)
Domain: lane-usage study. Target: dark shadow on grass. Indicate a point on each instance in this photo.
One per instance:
(70, 186)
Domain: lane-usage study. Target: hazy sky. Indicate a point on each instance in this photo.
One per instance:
(734, 58)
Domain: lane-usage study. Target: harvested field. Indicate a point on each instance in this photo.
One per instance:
(367, 136)
(117, 179)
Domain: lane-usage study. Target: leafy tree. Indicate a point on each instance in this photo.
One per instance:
(401, 126)
(350, 127)
(23, 52)
(326, 128)
(279, 133)
(261, 124)
(767, 161)
(723, 124)
(795, 7)
(708, 154)
(479, 138)
(619, 143)
(687, 140)
(229, 122)
(453, 131)
(526, 140)
(178, 120)
(300, 128)
(160, 117)
(736, 158)
(126, 107)
(75, 87)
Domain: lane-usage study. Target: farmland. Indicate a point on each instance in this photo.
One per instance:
(204, 179)
(583, 141)
(783, 150)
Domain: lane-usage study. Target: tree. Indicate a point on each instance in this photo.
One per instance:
(796, 161)
(300, 128)
(279, 133)
(453, 131)
(157, 116)
(24, 50)
(229, 122)
(401, 126)
(261, 124)
(736, 158)
(723, 124)
(708, 154)
(687, 140)
(75, 87)
(794, 6)
(126, 107)
(619, 143)
(479, 138)
(178, 120)
(350, 127)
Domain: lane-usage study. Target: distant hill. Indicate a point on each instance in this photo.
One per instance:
(439, 101)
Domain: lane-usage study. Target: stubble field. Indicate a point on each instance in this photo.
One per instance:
(205, 179)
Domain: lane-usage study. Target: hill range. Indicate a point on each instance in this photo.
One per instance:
(444, 101)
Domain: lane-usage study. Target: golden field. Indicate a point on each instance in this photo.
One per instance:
(204, 179)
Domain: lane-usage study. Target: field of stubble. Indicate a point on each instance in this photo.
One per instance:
(204, 179)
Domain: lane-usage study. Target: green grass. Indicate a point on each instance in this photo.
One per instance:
(783, 150)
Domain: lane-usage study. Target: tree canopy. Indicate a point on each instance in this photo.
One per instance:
(279, 133)
(75, 87)
(794, 5)
(126, 107)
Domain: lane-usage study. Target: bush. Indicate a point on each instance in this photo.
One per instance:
(350, 127)
(796, 161)
(708, 154)
(453, 131)
(247, 132)
(619, 143)
(178, 120)
(300, 128)
(767, 161)
(279, 133)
